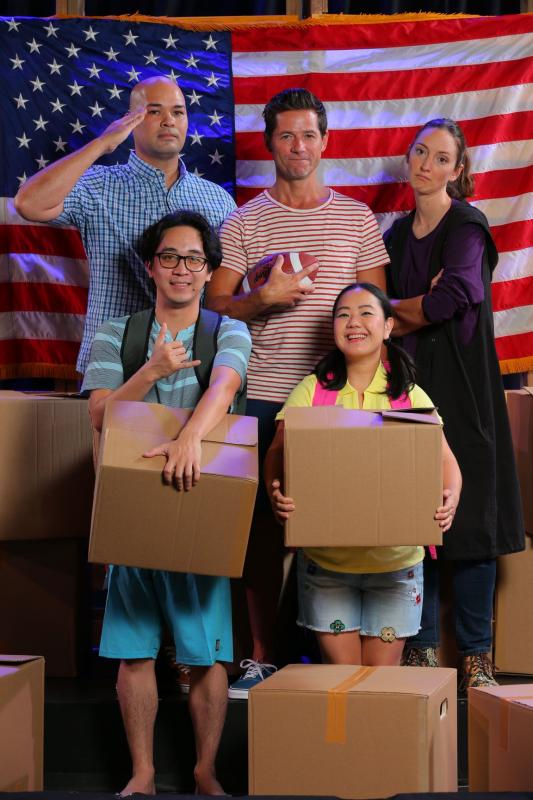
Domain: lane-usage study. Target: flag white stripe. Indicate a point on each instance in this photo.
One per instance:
(34, 268)
(388, 169)
(514, 264)
(406, 111)
(41, 325)
(384, 59)
(502, 210)
(513, 321)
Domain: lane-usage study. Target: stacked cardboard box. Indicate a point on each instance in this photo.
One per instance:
(353, 732)
(500, 733)
(139, 521)
(513, 640)
(21, 723)
(46, 487)
(400, 457)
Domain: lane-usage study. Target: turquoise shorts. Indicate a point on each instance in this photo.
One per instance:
(196, 608)
(387, 605)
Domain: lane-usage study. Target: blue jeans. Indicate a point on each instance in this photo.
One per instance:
(473, 591)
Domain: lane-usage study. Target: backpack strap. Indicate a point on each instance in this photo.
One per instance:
(328, 397)
(204, 345)
(135, 341)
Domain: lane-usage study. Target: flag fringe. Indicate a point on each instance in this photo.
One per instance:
(238, 23)
(511, 365)
(58, 371)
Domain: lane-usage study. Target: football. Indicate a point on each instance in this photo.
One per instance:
(292, 264)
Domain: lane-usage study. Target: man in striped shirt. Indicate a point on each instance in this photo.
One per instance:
(181, 253)
(111, 206)
(290, 324)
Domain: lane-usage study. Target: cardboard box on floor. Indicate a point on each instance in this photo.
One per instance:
(140, 521)
(500, 734)
(46, 471)
(362, 477)
(520, 410)
(513, 640)
(353, 732)
(42, 601)
(21, 723)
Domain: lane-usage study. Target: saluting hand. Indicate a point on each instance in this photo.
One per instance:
(119, 130)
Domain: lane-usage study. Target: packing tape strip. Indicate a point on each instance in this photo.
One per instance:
(336, 711)
(505, 715)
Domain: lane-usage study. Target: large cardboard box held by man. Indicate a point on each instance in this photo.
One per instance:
(353, 732)
(21, 723)
(520, 410)
(139, 521)
(513, 639)
(362, 477)
(46, 471)
(500, 737)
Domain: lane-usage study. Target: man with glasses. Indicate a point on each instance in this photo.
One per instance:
(180, 252)
(111, 206)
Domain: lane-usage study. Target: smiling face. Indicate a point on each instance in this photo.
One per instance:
(360, 326)
(297, 144)
(178, 287)
(432, 161)
(161, 135)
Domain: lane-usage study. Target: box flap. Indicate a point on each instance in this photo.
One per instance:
(320, 418)
(17, 659)
(165, 423)
(427, 416)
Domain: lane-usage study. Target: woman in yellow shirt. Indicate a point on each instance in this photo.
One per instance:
(361, 602)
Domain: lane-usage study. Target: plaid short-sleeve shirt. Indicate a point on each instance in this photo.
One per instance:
(111, 207)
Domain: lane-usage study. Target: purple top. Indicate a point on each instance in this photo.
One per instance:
(460, 288)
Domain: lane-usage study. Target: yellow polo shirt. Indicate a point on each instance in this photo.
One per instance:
(360, 559)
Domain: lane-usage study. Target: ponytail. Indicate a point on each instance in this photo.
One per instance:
(331, 370)
(401, 372)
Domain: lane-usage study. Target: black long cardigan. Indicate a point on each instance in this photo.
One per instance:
(465, 384)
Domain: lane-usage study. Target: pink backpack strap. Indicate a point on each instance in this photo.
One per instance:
(404, 401)
(323, 396)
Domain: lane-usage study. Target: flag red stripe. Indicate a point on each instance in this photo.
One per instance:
(513, 236)
(52, 297)
(368, 142)
(519, 345)
(45, 240)
(387, 85)
(510, 294)
(386, 34)
(44, 351)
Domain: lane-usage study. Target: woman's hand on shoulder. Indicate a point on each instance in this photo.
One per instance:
(446, 512)
(281, 506)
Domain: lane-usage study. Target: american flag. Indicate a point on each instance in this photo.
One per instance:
(379, 81)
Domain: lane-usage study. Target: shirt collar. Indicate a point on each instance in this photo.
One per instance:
(141, 167)
(378, 384)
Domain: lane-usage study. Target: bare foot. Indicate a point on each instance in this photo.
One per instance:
(208, 784)
(139, 784)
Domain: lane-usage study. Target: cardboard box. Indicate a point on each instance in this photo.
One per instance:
(46, 471)
(362, 477)
(513, 640)
(520, 410)
(500, 734)
(42, 598)
(354, 732)
(21, 723)
(139, 521)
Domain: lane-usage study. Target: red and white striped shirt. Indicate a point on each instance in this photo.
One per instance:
(343, 235)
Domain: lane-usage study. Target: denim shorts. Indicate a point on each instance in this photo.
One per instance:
(196, 608)
(383, 604)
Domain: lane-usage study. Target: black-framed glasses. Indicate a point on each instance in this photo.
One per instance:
(170, 260)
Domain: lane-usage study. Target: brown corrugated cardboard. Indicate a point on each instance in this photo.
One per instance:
(354, 732)
(21, 723)
(362, 477)
(46, 472)
(500, 733)
(513, 640)
(41, 597)
(520, 409)
(139, 521)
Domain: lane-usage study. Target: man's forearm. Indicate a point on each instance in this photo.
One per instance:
(41, 197)
(243, 306)
(136, 388)
(212, 407)
(408, 315)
